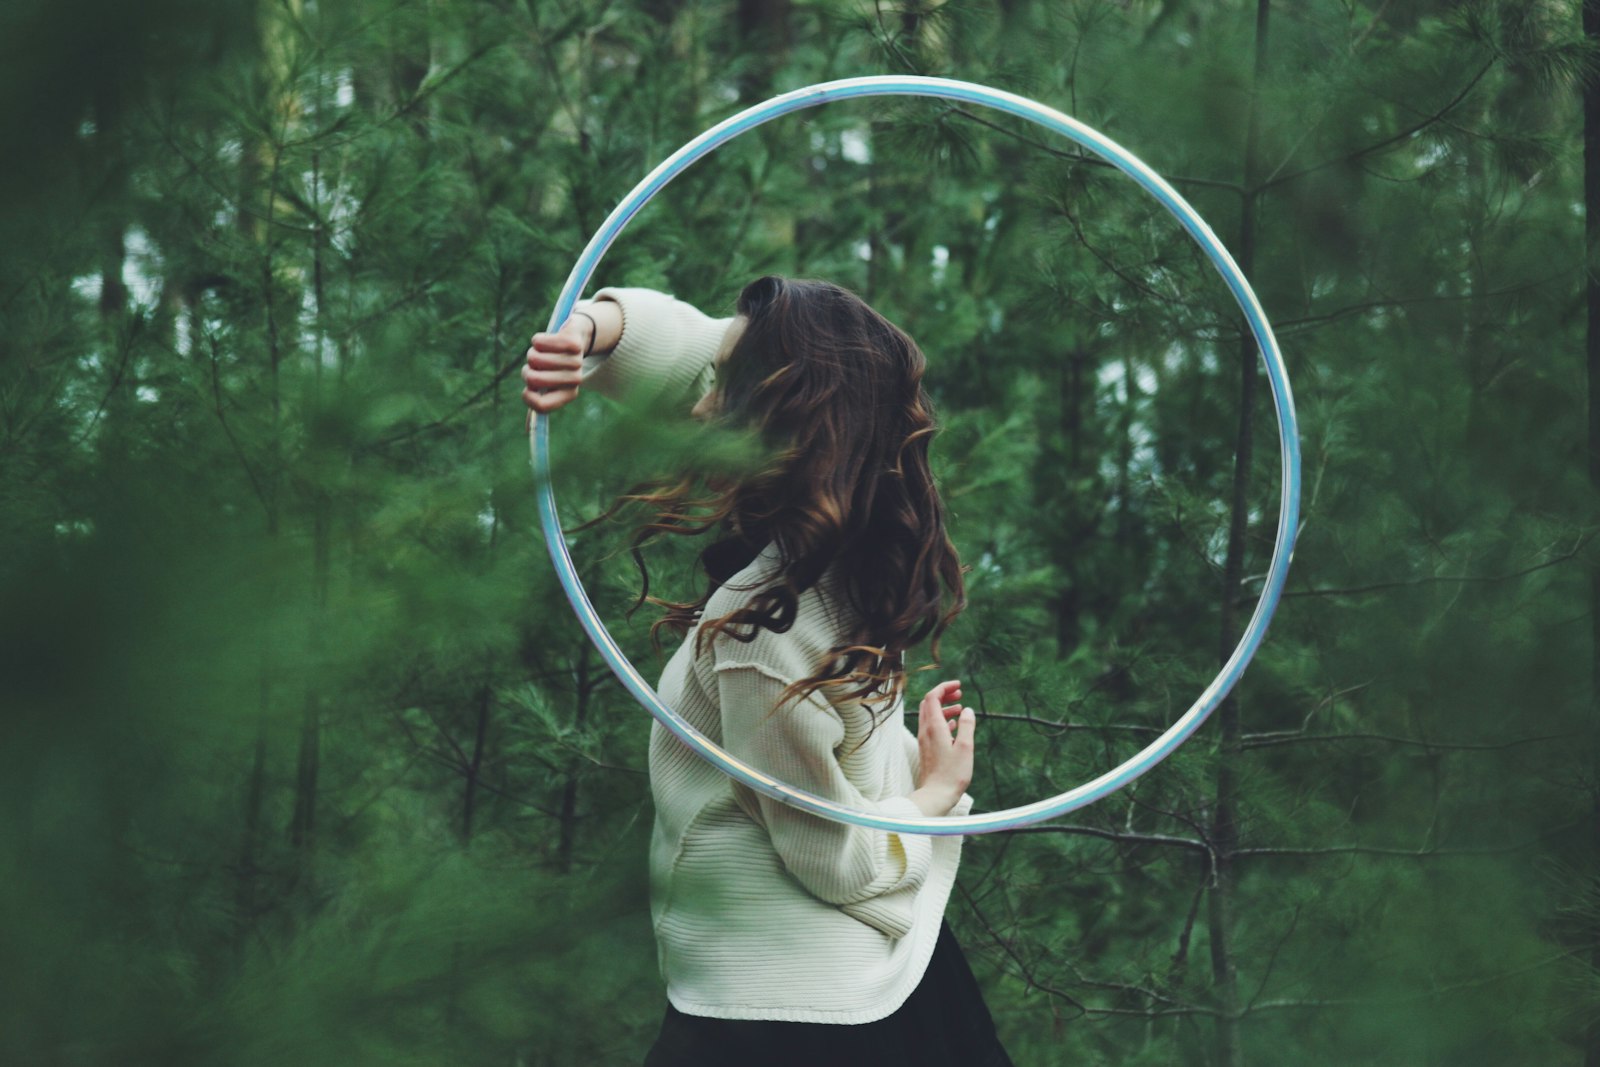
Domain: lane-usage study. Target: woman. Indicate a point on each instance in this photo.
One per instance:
(784, 936)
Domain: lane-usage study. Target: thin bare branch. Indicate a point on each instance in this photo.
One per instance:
(1437, 579)
(1272, 960)
(1409, 853)
(1095, 161)
(1065, 727)
(1293, 737)
(1378, 146)
(1114, 835)
(1429, 994)
(1010, 950)
(1287, 326)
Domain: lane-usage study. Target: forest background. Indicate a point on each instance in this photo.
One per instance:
(304, 758)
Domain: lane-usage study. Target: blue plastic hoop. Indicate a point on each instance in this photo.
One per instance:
(1271, 357)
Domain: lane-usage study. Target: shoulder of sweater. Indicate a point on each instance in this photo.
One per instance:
(792, 654)
(819, 625)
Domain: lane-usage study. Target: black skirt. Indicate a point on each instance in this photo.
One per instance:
(944, 1021)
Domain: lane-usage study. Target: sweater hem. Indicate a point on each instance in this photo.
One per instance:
(937, 888)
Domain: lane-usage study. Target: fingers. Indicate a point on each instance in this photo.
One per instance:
(563, 341)
(553, 372)
(544, 377)
(544, 363)
(551, 351)
(551, 379)
(939, 708)
(965, 728)
(546, 401)
(932, 726)
(928, 714)
(553, 360)
(547, 390)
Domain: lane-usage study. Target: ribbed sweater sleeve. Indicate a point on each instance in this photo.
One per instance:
(666, 354)
(798, 742)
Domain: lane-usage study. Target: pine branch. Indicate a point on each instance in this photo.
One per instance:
(1290, 737)
(1377, 146)
(444, 759)
(1413, 853)
(1287, 327)
(1350, 1002)
(1031, 979)
(1065, 727)
(1087, 160)
(1123, 987)
(595, 761)
(1272, 960)
(1118, 836)
(1406, 583)
(448, 417)
(324, 136)
(1106, 261)
(1180, 955)
(218, 409)
(348, 818)
(1167, 840)
(111, 389)
(1437, 991)
(1010, 950)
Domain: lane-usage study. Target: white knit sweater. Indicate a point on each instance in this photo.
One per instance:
(762, 911)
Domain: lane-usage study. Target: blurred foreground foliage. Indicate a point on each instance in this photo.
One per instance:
(304, 758)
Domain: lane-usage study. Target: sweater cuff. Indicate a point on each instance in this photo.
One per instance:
(666, 354)
(918, 848)
(894, 912)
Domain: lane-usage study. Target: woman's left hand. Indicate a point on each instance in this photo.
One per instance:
(946, 755)
(555, 365)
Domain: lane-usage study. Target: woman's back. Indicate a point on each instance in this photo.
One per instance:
(763, 911)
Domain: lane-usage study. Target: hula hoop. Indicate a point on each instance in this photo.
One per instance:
(1271, 357)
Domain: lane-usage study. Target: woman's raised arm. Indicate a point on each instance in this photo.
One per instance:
(554, 370)
(643, 346)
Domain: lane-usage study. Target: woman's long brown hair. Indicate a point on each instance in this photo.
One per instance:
(835, 392)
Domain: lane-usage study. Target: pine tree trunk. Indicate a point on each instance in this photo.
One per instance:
(479, 733)
(1224, 824)
(245, 870)
(113, 293)
(302, 823)
(1591, 202)
(255, 222)
(1068, 606)
(108, 134)
(568, 820)
(763, 27)
(1125, 525)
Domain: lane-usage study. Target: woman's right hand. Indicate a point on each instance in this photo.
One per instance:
(946, 757)
(555, 363)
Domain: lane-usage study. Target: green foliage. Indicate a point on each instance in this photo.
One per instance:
(303, 756)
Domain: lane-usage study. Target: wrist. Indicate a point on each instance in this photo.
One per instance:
(594, 331)
(605, 324)
(933, 801)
